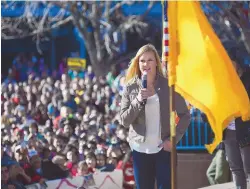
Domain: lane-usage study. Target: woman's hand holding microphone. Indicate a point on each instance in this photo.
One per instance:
(147, 90)
(145, 93)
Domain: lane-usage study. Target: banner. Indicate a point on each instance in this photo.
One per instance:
(101, 180)
(76, 63)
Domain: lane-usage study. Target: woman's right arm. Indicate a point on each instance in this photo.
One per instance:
(129, 109)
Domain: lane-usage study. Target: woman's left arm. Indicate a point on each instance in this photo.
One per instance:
(184, 116)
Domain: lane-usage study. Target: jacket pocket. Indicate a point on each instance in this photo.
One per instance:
(133, 136)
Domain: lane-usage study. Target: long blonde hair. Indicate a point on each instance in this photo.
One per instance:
(134, 69)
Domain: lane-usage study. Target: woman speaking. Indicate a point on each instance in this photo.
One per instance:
(145, 110)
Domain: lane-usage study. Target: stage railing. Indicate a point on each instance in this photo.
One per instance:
(198, 133)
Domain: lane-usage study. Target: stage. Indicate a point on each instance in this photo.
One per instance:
(221, 186)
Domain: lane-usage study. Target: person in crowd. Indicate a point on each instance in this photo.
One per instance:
(68, 101)
(72, 157)
(82, 169)
(91, 162)
(60, 161)
(90, 72)
(100, 161)
(17, 174)
(112, 74)
(6, 182)
(144, 111)
(5, 158)
(21, 155)
(237, 134)
(126, 165)
(55, 168)
(34, 170)
(34, 133)
(218, 171)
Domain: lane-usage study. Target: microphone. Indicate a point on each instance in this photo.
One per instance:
(144, 83)
(144, 80)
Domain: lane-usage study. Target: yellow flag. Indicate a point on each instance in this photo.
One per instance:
(201, 70)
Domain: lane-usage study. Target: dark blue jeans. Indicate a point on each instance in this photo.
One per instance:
(148, 167)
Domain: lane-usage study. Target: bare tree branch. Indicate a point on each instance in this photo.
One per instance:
(231, 15)
(151, 4)
(56, 25)
(102, 26)
(118, 5)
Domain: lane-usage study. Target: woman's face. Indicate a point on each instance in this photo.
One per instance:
(91, 162)
(33, 130)
(20, 136)
(112, 161)
(147, 63)
(18, 156)
(83, 170)
(122, 134)
(67, 130)
(124, 148)
(100, 160)
(70, 156)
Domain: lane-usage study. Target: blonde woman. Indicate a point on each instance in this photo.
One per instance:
(149, 130)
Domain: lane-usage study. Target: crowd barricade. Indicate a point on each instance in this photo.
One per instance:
(99, 180)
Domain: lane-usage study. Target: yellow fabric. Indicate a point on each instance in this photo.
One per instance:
(201, 70)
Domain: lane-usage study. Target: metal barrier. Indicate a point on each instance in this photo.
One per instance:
(197, 135)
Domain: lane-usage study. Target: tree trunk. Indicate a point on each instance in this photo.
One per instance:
(100, 68)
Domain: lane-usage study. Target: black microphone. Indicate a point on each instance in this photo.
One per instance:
(144, 80)
(144, 84)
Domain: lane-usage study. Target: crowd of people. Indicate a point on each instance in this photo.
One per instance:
(66, 123)
(56, 127)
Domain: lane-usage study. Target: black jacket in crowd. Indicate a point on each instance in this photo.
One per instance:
(243, 128)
